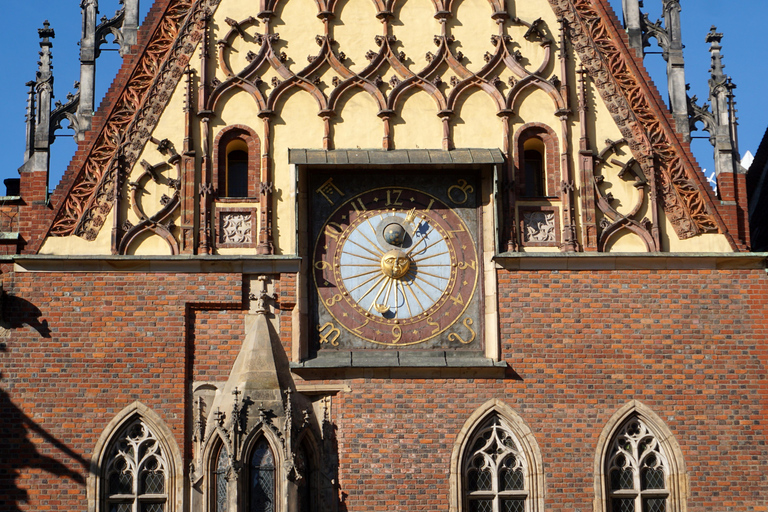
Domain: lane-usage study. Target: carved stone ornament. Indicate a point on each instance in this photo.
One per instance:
(539, 227)
(236, 228)
(644, 127)
(132, 118)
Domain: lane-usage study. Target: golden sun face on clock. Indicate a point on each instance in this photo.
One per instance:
(394, 266)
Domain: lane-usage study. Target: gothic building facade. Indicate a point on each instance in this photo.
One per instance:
(369, 255)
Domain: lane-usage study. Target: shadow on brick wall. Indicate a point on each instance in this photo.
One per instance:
(19, 312)
(20, 438)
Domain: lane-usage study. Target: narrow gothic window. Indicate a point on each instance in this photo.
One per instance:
(136, 472)
(636, 470)
(220, 480)
(262, 478)
(534, 173)
(495, 470)
(237, 170)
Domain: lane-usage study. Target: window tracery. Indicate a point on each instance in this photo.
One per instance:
(136, 473)
(495, 470)
(636, 470)
(262, 478)
(221, 490)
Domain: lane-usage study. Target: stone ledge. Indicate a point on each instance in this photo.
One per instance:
(182, 263)
(338, 359)
(630, 261)
(365, 157)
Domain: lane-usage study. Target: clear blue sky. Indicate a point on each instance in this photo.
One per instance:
(744, 47)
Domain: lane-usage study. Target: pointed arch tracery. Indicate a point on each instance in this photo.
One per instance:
(638, 464)
(136, 463)
(496, 463)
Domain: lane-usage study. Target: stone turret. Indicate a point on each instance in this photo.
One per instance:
(673, 54)
(34, 171)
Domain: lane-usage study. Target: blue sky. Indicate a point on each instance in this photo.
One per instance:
(744, 47)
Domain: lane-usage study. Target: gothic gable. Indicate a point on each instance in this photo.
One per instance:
(247, 57)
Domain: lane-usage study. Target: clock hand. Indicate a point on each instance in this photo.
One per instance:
(405, 296)
(376, 298)
(420, 240)
(389, 289)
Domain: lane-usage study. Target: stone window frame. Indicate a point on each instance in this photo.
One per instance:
(522, 210)
(174, 476)
(676, 477)
(254, 214)
(248, 136)
(551, 169)
(528, 448)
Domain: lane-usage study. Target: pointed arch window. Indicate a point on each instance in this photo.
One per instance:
(496, 463)
(639, 467)
(136, 472)
(261, 491)
(220, 481)
(636, 470)
(495, 470)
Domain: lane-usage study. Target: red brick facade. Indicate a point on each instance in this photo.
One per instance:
(688, 344)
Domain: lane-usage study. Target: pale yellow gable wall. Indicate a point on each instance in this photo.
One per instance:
(415, 124)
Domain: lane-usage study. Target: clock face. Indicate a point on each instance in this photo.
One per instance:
(395, 266)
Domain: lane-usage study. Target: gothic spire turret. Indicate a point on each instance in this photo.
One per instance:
(34, 171)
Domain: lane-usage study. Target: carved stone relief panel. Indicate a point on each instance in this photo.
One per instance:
(539, 226)
(236, 227)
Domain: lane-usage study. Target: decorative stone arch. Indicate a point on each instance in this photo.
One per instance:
(137, 410)
(246, 137)
(677, 479)
(534, 479)
(276, 445)
(551, 154)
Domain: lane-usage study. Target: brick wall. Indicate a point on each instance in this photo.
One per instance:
(82, 348)
(688, 344)
(580, 345)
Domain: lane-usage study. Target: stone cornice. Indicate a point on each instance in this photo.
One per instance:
(165, 264)
(631, 261)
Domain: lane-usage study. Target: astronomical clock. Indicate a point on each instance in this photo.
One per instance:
(395, 261)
